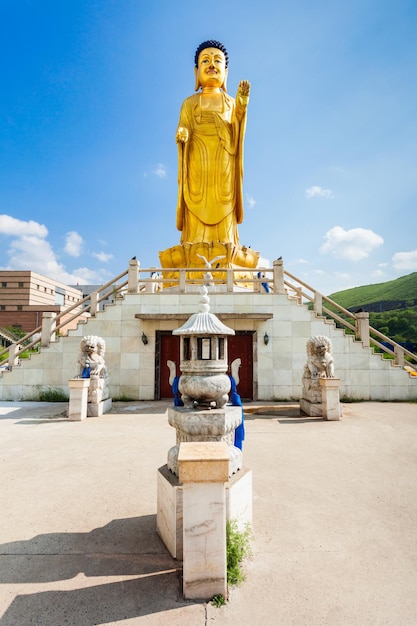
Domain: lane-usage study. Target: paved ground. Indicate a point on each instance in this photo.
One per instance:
(335, 520)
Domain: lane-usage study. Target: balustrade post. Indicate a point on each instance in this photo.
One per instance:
(279, 286)
(318, 303)
(182, 280)
(14, 350)
(133, 276)
(48, 328)
(362, 328)
(229, 274)
(93, 303)
(399, 355)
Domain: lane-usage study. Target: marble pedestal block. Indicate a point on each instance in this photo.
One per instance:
(331, 398)
(169, 520)
(204, 469)
(78, 399)
(205, 425)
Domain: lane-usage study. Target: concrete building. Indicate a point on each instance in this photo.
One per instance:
(26, 295)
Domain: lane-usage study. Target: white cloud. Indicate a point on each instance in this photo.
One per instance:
(73, 243)
(302, 262)
(318, 192)
(378, 274)
(30, 250)
(405, 260)
(86, 276)
(102, 256)
(250, 200)
(33, 253)
(342, 275)
(354, 244)
(160, 171)
(36, 254)
(11, 226)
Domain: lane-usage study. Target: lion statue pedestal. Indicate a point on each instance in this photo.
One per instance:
(320, 387)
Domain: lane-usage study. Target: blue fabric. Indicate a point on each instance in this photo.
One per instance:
(86, 371)
(175, 391)
(264, 285)
(236, 400)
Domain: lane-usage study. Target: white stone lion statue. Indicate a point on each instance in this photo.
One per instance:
(319, 358)
(91, 358)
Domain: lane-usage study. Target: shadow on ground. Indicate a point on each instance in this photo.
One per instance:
(124, 547)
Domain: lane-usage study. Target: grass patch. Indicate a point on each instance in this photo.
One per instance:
(238, 548)
(52, 394)
(218, 600)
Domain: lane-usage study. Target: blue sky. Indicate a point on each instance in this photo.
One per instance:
(90, 98)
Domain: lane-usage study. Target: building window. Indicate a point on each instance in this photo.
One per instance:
(59, 296)
(2, 307)
(4, 284)
(19, 307)
(21, 285)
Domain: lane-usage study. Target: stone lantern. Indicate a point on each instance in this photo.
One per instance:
(203, 358)
(204, 386)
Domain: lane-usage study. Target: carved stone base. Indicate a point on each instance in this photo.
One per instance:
(170, 511)
(311, 402)
(97, 409)
(321, 398)
(313, 409)
(205, 425)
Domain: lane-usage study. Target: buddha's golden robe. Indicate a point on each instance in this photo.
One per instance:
(210, 172)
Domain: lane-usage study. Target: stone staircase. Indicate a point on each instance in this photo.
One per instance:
(140, 309)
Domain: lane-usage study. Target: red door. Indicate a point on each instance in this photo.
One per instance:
(241, 346)
(169, 349)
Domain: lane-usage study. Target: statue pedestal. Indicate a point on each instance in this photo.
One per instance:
(321, 398)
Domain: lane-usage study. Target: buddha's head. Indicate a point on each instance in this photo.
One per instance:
(211, 65)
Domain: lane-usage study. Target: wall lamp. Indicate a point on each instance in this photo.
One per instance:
(266, 339)
(144, 339)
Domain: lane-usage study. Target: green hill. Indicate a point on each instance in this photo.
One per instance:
(394, 294)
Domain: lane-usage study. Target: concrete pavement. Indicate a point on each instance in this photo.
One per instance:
(335, 519)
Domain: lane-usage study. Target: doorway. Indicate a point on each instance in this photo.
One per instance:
(167, 348)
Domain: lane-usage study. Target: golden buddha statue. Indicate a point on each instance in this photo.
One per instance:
(210, 139)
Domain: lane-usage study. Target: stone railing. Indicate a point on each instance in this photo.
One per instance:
(356, 324)
(269, 279)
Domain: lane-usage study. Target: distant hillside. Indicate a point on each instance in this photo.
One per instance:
(394, 294)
